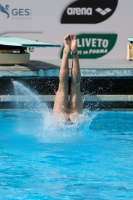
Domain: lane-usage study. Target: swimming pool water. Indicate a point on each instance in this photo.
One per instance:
(42, 160)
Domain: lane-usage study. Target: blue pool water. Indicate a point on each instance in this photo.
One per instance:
(40, 159)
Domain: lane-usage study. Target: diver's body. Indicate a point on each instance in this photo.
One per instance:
(63, 109)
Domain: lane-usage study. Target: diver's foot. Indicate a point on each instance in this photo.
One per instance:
(67, 43)
(73, 43)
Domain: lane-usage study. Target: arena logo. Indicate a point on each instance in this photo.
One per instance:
(88, 12)
(15, 12)
(92, 46)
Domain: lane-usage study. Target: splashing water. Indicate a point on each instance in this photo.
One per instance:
(24, 94)
(54, 131)
(49, 130)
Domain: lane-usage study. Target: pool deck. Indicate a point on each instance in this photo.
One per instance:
(89, 68)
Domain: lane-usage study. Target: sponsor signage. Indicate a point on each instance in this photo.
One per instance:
(92, 46)
(15, 12)
(88, 12)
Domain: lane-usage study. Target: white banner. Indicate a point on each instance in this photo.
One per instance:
(43, 20)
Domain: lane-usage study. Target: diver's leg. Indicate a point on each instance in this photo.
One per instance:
(76, 104)
(61, 99)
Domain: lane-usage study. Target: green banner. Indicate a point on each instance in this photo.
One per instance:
(92, 46)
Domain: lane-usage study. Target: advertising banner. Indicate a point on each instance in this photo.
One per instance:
(88, 12)
(94, 45)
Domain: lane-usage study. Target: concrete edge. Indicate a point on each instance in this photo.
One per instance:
(50, 98)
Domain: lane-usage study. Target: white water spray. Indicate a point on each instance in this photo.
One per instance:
(30, 99)
(49, 130)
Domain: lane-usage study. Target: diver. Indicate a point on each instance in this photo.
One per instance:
(63, 109)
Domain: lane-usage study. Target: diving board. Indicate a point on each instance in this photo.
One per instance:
(130, 39)
(13, 41)
(15, 50)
